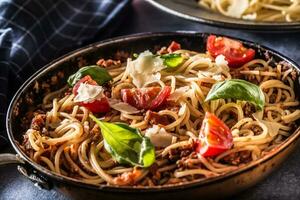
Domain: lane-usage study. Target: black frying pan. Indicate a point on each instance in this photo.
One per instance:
(190, 10)
(216, 187)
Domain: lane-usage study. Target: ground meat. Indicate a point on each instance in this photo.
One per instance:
(68, 92)
(181, 152)
(173, 155)
(154, 118)
(162, 51)
(107, 90)
(155, 174)
(107, 94)
(249, 109)
(153, 169)
(26, 143)
(170, 105)
(257, 130)
(237, 158)
(128, 178)
(165, 178)
(45, 132)
(294, 74)
(60, 74)
(267, 55)
(230, 123)
(186, 161)
(209, 85)
(95, 131)
(285, 65)
(108, 63)
(38, 122)
(54, 80)
(186, 152)
(172, 181)
(26, 120)
(252, 79)
(121, 55)
(29, 99)
(272, 97)
(232, 114)
(45, 86)
(81, 62)
(237, 74)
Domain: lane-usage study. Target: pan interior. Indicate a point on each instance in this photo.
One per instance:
(28, 96)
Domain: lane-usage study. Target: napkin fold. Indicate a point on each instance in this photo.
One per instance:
(34, 32)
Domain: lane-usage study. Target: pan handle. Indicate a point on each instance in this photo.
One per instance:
(26, 170)
(9, 158)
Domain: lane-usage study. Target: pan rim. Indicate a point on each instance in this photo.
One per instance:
(256, 26)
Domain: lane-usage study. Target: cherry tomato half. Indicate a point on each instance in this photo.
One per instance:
(235, 53)
(96, 106)
(174, 46)
(146, 98)
(214, 138)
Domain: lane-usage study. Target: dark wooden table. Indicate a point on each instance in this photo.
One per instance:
(143, 17)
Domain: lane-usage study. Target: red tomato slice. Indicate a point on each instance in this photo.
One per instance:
(214, 138)
(97, 106)
(235, 53)
(160, 98)
(146, 98)
(174, 46)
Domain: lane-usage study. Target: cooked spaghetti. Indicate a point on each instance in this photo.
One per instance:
(64, 138)
(258, 10)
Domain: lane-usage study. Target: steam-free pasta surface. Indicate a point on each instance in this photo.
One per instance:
(64, 139)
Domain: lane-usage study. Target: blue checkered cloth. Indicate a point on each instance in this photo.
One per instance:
(34, 32)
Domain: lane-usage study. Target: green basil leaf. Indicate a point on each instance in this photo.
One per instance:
(239, 90)
(98, 74)
(172, 60)
(126, 144)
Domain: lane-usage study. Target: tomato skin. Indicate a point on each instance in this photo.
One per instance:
(207, 151)
(97, 106)
(174, 46)
(214, 50)
(160, 98)
(235, 53)
(139, 98)
(146, 98)
(214, 138)
(236, 62)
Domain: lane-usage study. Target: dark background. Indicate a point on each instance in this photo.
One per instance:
(143, 17)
